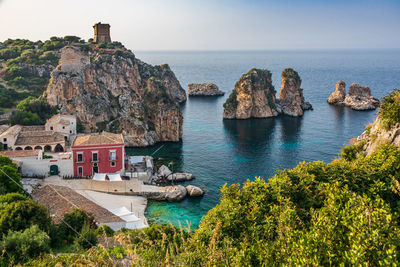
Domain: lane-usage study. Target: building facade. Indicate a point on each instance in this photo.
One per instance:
(98, 153)
(64, 124)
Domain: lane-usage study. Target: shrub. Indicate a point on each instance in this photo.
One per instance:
(10, 180)
(290, 73)
(12, 197)
(25, 245)
(231, 103)
(20, 215)
(75, 219)
(25, 118)
(86, 239)
(104, 230)
(351, 152)
(389, 111)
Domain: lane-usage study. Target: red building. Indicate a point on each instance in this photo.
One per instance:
(98, 153)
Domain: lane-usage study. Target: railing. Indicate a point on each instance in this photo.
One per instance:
(113, 158)
(95, 160)
(80, 161)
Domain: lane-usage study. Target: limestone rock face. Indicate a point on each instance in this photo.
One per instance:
(291, 97)
(175, 193)
(338, 96)
(118, 93)
(204, 89)
(359, 98)
(253, 97)
(194, 191)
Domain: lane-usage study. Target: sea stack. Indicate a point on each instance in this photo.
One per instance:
(204, 89)
(253, 97)
(291, 95)
(358, 98)
(338, 96)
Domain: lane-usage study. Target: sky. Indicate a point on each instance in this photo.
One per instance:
(211, 24)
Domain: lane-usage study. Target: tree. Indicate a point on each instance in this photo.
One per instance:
(24, 245)
(25, 118)
(20, 215)
(10, 179)
(76, 219)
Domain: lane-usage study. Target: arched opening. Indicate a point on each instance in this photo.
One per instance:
(38, 148)
(28, 148)
(95, 168)
(47, 148)
(18, 148)
(58, 148)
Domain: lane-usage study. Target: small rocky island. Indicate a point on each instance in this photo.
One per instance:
(358, 98)
(254, 96)
(204, 89)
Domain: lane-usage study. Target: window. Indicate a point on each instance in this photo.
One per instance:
(80, 171)
(112, 163)
(4, 139)
(95, 157)
(113, 155)
(63, 127)
(70, 132)
(51, 128)
(79, 157)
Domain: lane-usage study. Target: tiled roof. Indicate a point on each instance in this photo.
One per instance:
(105, 138)
(19, 153)
(38, 138)
(13, 130)
(33, 128)
(58, 116)
(4, 128)
(60, 200)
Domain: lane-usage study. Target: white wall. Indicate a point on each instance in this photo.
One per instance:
(32, 166)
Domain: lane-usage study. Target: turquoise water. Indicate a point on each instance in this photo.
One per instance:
(232, 151)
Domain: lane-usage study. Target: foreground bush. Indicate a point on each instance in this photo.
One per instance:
(24, 245)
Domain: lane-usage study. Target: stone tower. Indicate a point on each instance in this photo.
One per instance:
(102, 33)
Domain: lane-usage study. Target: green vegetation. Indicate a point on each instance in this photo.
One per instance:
(290, 73)
(351, 152)
(231, 103)
(104, 230)
(7, 185)
(24, 245)
(32, 111)
(389, 111)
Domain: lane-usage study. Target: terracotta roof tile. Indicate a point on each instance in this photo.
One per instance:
(60, 200)
(20, 153)
(37, 138)
(105, 138)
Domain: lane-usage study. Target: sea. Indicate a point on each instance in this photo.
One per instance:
(224, 152)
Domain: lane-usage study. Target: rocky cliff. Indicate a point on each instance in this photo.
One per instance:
(358, 98)
(291, 97)
(112, 90)
(254, 96)
(204, 89)
(386, 128)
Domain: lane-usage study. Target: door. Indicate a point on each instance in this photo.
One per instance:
(53, 170)
(95, 168)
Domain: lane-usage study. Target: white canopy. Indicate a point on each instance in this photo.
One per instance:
(135, 225)
(99, 176)
(114, 177)
(123, 211)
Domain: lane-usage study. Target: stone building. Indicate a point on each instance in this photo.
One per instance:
(101, 33)
(52, 137)
(64, 124)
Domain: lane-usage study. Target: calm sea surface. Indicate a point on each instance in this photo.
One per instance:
(221, 152)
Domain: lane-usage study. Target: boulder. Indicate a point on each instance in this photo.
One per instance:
(359, 98)
(164, 171)
(194, 191)
(291, 97)
(252, 97)
(338, 96)
(175, 193)
(180, 177)
(204, 89)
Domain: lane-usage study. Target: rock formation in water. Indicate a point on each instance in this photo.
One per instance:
(358, 98)
(254, 96)
(291, 97)
(194, 191)
(204, 89)
(338, 96)
(112, 90)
